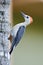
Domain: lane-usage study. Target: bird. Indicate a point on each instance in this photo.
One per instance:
(18, 30)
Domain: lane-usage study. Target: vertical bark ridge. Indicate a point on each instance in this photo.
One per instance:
(4, 32)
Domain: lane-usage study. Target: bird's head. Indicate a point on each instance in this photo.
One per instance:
(28, 19)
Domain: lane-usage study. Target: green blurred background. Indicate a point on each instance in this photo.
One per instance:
(30, 49)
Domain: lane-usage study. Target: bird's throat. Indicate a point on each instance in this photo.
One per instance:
(26, 23)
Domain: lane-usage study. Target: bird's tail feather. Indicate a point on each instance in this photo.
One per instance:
(11, 51)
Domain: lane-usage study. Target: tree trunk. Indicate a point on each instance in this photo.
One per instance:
(4, 32)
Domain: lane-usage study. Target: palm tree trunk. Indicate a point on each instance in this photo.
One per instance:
(4, 32)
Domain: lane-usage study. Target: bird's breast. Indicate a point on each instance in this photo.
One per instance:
(15, 29)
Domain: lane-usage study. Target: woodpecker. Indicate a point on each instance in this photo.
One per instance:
(18, 30)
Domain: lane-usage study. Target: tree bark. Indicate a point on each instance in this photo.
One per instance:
(4, 32)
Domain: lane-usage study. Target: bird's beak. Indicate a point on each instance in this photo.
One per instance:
(23, 14)
(31, 20)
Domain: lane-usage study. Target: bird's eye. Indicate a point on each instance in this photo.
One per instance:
(27, 17)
